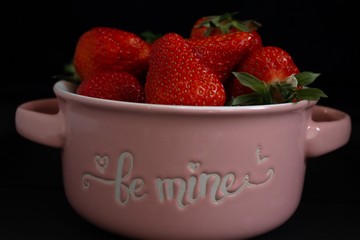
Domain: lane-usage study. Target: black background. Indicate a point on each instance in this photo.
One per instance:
(38, 39)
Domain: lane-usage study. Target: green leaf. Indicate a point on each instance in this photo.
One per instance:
(205, 23)
(306, 78)
(245, 25)
(70, 74)
(224, 28)
(227, 16)
(310, 94)
(149, 36)
(277, 92)
(251, 81)
(226, 21)
(208, 31)
(247, 99)
(281, 92)
(251, 24)
(240, 26)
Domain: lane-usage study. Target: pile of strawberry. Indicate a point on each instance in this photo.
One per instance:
(223, 62)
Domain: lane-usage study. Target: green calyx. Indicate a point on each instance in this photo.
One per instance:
(69, 74)
(294, 89)
(150, 36)
(225, 22)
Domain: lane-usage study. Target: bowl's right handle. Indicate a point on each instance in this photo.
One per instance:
(41, 121)
(328, 130)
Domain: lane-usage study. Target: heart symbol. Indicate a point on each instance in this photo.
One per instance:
(260, 157)
(193, 166)
(101, 162)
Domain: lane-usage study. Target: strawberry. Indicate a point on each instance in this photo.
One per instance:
(268, 63)
(221, 24)
(269, 75)
(223, 52)
(177, 77)
(221, 41)
(120, 86)
(110, 49)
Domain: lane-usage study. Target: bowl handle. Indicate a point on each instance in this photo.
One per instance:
(328, 130)
(41, 121)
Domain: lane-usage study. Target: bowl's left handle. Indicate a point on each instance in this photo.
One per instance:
(41, 121)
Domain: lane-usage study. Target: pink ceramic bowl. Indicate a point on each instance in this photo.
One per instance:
(182, 172)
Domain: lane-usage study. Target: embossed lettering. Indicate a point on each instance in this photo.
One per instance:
(183, 191)
(124, 191)
(213, 185)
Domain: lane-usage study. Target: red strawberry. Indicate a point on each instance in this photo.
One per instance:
(109, 49)
(269, 64)
(223, 52)
(221, 24)
(269, 75)
(177, 77)
(121, 86)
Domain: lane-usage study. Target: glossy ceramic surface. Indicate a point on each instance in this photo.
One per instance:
(180, 172)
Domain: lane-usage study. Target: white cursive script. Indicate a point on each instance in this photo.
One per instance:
(211, 185)
(123, 191)
(181, 190)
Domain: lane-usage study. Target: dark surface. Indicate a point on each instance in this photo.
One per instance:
(37, 43)
(43, 213)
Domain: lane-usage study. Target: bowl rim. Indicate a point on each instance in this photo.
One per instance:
(66, 90)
